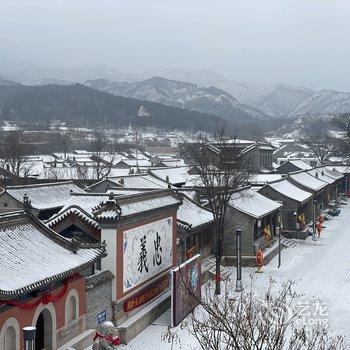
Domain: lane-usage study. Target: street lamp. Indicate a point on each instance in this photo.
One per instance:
(279, 233)
(29, 337)
(314, 220)
(239, 286)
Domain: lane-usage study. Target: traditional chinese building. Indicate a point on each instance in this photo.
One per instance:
(256, 215)
(140, 232)
(297, 203)
(45, 199)
(42, 282)
(195, 230)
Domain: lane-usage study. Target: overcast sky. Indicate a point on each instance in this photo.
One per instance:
(304, 42)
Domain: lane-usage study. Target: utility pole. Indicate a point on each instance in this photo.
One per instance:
(239, 286)
(314, 220)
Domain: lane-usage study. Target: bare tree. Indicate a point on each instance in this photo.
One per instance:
(222, 167)
(100, 145)
(15, 153)
(342, 122)
(253, 320)
(322, 146)
(66, 141)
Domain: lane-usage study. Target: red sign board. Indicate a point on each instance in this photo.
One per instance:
(146, 294)
(185, 289)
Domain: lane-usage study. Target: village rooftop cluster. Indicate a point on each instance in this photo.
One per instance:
(86, 239)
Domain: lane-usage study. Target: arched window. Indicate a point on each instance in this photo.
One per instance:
(10, 339)
(72, 307)
(10, 335)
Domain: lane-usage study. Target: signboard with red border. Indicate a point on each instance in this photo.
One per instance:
(185, 289)
(147, 294)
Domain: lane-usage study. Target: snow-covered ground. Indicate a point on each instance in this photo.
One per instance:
(321, 269)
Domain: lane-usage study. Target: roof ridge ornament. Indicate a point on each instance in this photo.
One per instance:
(111, 205)
(27, 204)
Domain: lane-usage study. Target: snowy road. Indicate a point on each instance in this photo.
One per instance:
(321, 268)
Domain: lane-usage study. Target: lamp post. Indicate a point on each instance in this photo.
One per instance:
(346, 187)
(336, 197)
(278, 229)
(29, 337)
(239, 286)
(314, 220)
(279, 234)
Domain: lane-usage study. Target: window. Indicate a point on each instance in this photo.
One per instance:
(10, 339)
(10, 335)
(5, 205)
(72, 309)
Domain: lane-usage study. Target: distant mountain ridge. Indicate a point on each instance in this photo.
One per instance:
(281, 101)
(81, 106)
(6, 82)
(326, 102)
(181, 94)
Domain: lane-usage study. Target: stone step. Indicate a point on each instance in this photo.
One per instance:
(81, 342)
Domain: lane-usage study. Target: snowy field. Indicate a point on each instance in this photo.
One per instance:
(321, 268)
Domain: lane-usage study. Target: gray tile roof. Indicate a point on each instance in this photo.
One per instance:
(31, 255)
(45, 196)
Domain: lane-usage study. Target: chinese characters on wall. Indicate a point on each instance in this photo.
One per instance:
(147, 250)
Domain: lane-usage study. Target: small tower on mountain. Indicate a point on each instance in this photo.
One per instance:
(143, 113)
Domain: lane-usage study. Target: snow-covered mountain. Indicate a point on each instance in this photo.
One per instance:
(327, 102)
(181, 94)
(32, 75)
(202, 77)
(6, 82)
(276, 100)
(304, 125)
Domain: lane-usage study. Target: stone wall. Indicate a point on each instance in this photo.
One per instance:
(71, 331)
(235, 220)
(98, 299)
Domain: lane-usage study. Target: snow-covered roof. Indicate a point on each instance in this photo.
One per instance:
(308, 181)
(137, 162)
(339, 168)
(253, 203)
(289, 190)
(322, 175)
(45, 196)
(130, 204)
(264, 178)
(135, 205)
(173, 162)
(139, 181)
(72, 210)
(300, 164)
(176, 175)
(191, 215)
(334, 174)
(79, 172)
(31, 255)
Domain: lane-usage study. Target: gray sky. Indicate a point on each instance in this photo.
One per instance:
(302, 42)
